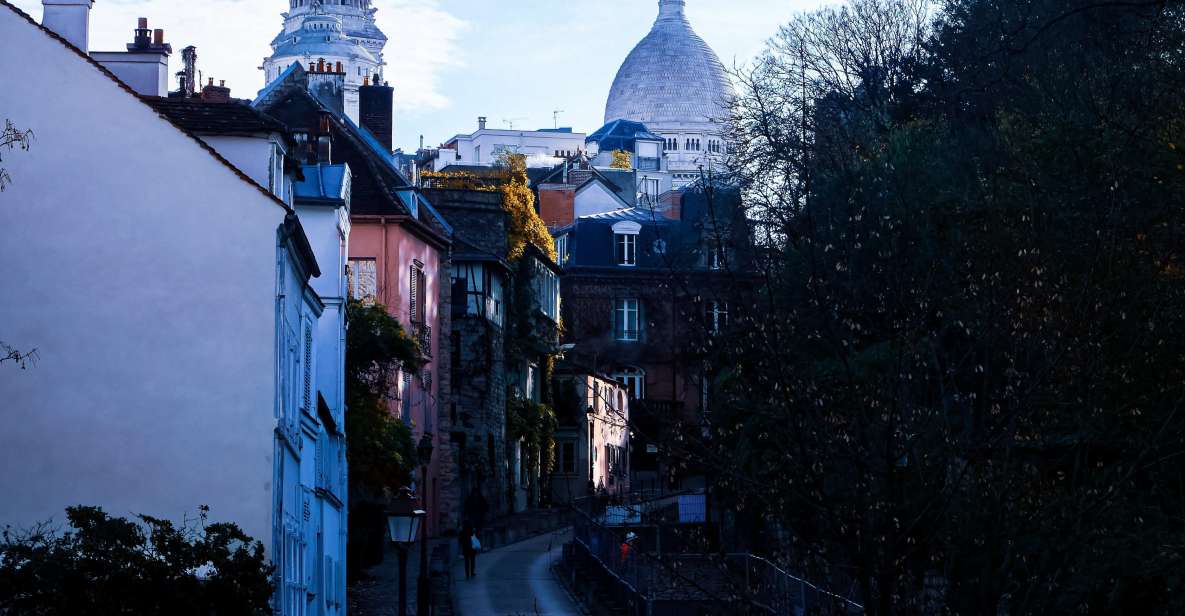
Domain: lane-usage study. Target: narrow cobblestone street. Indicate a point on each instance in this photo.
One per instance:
(515, 580)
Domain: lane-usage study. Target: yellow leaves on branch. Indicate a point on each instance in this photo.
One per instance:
(622, 160)
(519, 202)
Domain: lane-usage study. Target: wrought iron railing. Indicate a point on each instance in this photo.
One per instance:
(659, 576)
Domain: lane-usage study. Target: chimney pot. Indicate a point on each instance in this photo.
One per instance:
(222, 83)
(481, 123)
(158, 37)
(211, 81)
(339, 67)
(143, 23)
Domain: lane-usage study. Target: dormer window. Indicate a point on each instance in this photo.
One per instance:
(625, 241)
(627, 249)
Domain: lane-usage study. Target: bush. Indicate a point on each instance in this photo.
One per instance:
(106, 565)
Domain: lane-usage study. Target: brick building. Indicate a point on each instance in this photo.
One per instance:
(645, 289)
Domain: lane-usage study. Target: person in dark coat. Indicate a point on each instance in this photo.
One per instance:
(469, 547)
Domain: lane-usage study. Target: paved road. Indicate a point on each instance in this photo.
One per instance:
(514, 581)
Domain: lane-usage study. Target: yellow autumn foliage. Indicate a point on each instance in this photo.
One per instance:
(622, 160)
(519, 202)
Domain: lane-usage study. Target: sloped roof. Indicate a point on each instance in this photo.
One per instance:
(635, 214)
(376, 156)
(146, 101)
(229, 118)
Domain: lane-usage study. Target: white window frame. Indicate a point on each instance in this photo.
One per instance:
(627, 311)
(625, 236)
(625, 246)
(561, 249)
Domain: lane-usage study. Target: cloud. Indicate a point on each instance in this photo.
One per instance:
(233, 37)
(424, 44)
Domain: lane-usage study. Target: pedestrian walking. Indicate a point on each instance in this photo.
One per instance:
(627, 547)
(470, 546)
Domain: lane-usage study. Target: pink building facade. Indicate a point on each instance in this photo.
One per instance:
(402, 264)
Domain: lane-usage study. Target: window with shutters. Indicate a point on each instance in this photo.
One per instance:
(363, 280)
(405, 401)
(307, 398)
(418, 293)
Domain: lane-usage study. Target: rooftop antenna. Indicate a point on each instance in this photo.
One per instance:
(510, 121)
(555, 117)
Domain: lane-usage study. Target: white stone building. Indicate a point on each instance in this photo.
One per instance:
(674, 84)
(336, 32)
(186, 356)
(543, 148)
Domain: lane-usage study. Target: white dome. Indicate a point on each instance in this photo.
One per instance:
(672, 80)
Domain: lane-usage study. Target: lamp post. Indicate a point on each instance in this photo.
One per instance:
(403, 523)
(423, 602)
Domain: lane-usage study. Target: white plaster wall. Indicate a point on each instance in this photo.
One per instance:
(144, 273)
(250, 155)
(480, 147)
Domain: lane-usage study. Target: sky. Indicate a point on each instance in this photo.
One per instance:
(450, 61)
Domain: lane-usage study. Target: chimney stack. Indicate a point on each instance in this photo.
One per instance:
(216, 93)
(481, 123)
(69, 19)
(145, 65)
(328, 85)
(376, 111)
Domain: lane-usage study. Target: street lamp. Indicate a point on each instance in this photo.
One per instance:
(403, 523)
(423, 603)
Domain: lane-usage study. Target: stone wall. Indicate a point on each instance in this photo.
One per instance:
(473, 413)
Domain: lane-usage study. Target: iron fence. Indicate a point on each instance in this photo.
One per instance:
(669, 572)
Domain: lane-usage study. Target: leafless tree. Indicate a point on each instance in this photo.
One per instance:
(10, 139)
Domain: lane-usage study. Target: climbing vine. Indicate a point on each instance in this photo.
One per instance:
(535, 424)
(519, 202)
(457, 180)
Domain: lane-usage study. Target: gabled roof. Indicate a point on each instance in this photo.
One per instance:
(146, 101)
(598, 181)
(229, 118)
(577, 175)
